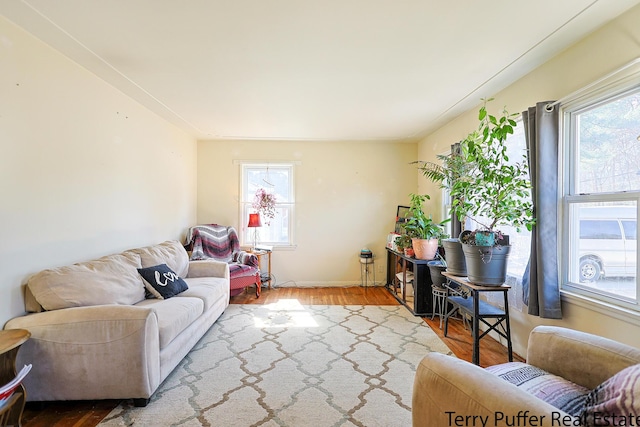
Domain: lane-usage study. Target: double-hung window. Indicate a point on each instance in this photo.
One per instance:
(277, 180)
(601, 194)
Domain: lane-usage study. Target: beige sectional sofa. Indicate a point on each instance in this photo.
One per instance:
(96, 333)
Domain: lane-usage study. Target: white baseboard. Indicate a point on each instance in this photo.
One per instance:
(320, 284)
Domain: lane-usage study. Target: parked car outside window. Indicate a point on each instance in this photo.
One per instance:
(607, 244)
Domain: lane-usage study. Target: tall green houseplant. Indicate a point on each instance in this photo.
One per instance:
(495, 191)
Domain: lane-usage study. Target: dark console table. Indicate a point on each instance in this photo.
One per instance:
(401, 269)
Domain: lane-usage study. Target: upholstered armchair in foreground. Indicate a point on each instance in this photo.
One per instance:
(569, 375)
(220, 242)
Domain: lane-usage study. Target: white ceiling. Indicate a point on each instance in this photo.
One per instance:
(310, 70)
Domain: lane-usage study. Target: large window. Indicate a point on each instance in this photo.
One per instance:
(277, 180)
(601, 193)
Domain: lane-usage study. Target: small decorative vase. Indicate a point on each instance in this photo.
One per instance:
(409, 252)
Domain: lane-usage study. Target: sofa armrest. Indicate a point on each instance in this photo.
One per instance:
(446, 387)
(579, 357)
(208, 268)
(94, 352)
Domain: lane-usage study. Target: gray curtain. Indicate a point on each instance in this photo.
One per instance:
(540, 285)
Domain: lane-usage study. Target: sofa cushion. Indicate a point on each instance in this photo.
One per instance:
(618, 396)
(112, 279)
(162, 282)
(208, 289)
(31, 304)
(556, 391)
(174, 315)
(171, 253)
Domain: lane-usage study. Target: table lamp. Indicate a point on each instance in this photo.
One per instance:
(254, 222)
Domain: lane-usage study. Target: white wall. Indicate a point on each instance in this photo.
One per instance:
(347, 194)
(84, 170)
(598, 54)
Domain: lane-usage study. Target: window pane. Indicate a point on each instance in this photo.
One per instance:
(600, 229)
(274, 179)
(602, 247)
(277, 233)
(608, 146)
(520, 240)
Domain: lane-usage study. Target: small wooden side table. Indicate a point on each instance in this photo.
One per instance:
(10, 342)
(264, 253)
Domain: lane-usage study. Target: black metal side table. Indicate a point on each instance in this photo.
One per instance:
(493, 317)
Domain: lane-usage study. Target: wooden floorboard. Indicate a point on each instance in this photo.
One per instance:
(90, 413)
(460, 341)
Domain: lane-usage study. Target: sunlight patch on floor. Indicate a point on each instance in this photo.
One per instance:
(285, 313)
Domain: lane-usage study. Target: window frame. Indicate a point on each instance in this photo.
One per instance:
(599, 95)
(245, 200)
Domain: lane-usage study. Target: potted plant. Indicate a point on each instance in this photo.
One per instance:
(408, 246)
(399, 243)
(447, 172)
(404, 245)
(424, 233)
(495, 192)
(264, 203)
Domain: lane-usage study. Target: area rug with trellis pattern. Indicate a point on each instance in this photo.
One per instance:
(287, 364)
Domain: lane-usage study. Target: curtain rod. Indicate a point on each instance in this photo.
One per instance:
(575, 94)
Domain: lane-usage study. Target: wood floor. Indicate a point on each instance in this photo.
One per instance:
(90, 413)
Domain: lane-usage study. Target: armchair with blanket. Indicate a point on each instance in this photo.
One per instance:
(570, 378)
(220, 242)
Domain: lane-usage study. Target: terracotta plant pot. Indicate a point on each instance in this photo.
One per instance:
(409, 252)
(425, 248)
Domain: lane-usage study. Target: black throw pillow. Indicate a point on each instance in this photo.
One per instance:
(162, 282)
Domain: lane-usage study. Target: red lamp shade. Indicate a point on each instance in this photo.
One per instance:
(254, 220)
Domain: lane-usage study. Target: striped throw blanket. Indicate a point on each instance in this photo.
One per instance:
(219, 242)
